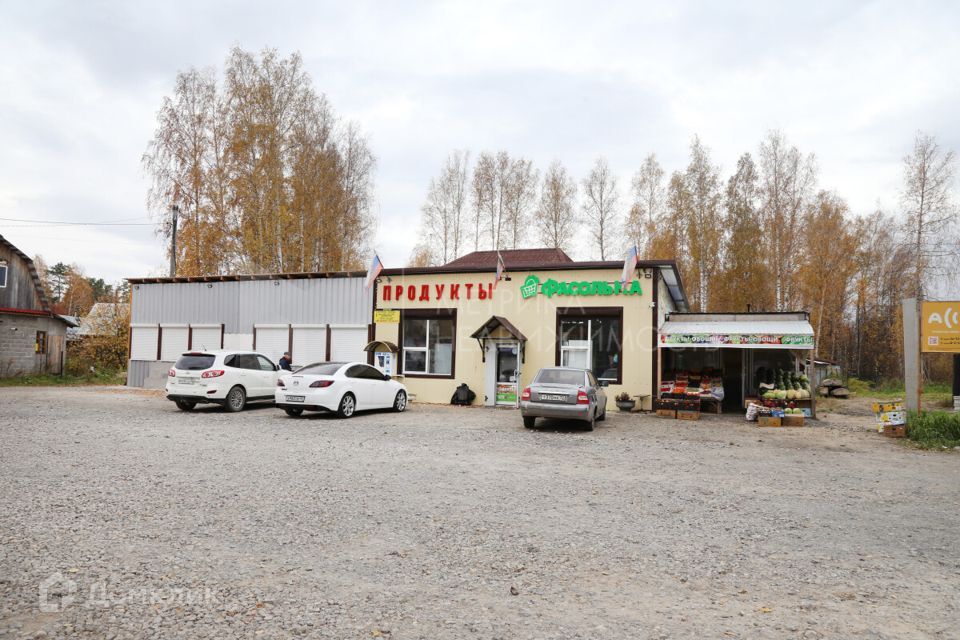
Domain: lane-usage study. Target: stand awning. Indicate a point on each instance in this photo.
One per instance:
(738, 334)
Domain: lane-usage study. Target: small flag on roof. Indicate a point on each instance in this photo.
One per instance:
(375, 268)
(630, 264)
(500, 269)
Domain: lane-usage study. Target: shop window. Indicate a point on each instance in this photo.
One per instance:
(41, 346)
(428, 343)
(591, 339)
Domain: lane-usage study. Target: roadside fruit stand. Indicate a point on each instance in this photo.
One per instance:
(730, 361)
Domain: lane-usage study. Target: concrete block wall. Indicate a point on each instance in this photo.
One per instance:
(18, 335)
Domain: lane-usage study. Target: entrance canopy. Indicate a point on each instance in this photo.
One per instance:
(737, 331)
(489, 329)
(500, 328)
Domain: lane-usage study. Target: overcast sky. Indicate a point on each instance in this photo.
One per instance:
(80, 84)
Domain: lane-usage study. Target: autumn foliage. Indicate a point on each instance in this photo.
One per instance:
(265, 175)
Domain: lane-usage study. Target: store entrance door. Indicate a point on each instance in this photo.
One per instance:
(507, 363)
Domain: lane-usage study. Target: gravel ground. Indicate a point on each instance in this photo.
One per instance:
(447, 522)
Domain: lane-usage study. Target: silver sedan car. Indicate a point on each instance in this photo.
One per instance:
(564, 393)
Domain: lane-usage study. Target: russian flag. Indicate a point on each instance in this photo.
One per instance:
(500, 269)
(375, 268)
(630, 264)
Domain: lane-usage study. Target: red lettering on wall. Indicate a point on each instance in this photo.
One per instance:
(397, 291)
(387, 292)
(439, 288)
(454, 291)
(424, 292)
(412, 292)
(468, 286)
(482, 292)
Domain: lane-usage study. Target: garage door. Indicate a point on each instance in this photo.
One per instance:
(271, 339)
(173, 341)
(206, 336)
(143, 341)
(309, 344)
(347, 343)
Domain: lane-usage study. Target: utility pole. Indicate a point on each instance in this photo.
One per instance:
(174, 214)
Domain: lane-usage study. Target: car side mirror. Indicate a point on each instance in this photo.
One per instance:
(604, 383)
(276, 367)
(386, 376)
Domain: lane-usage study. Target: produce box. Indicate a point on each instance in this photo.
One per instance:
(688, 415)
(807, 412)
(769, 421)
(792, 420)
(750, 400)
(895, 430)
(667, 413)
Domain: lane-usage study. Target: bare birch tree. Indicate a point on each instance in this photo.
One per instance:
(443, 214)
(931, 215)
(503, 191)
(786, 186)
(556, 214)
(648, 204)
(520, 189)
(600, 199)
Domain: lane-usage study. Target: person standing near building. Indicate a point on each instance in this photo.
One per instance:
(285, 361)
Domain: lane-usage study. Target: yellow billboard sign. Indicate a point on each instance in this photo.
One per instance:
(940, 327)
(386, 316)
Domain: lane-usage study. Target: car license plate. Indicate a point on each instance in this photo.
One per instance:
(186, 381)
(295, 398)
(552, 397)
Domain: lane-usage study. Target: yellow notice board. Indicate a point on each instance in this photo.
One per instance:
(940, 327)
(386, 316)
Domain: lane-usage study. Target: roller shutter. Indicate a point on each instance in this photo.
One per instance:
(347, 343)
(271, 339)
(309, 344)
(143, 341)
(173, 341)
(206, 337)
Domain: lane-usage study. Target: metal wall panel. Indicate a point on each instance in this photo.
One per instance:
(240, 305)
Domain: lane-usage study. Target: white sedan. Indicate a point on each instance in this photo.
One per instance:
(344, 387)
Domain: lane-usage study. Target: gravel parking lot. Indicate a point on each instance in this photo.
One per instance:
(135, 519)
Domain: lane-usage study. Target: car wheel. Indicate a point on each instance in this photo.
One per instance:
(400, 402)
(603, 416)
(529, 422)
(348, 404)
(236, 400)
(592, 422)
(294, 412)
(185, 405)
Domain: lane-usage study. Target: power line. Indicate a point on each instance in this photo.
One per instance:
(122, 222)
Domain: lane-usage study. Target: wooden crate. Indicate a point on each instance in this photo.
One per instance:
(769, 421)
(667, 413)
(792, 420)
(895, 430)
(688, 415)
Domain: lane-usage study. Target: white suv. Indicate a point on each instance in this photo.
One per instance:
(228, 378)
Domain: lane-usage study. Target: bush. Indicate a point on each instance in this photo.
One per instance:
(934, 429)
(858, 386)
